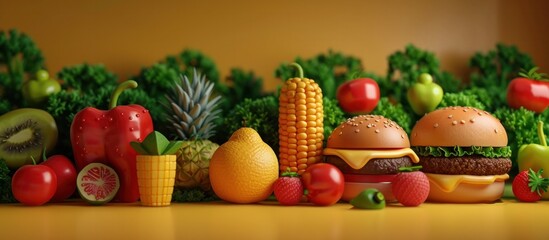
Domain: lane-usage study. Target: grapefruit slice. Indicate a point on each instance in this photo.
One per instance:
(97, 183)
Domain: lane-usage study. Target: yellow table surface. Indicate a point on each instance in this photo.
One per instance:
(507, 219)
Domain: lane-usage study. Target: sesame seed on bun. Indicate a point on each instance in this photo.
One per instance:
(368, 132)
(459, 126)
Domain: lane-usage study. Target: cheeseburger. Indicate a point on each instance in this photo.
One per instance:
(369, 150)
(464, 153)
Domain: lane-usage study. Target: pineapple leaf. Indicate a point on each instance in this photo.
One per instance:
(193, 114)
(155, 143)
(172, 147)
(195, 111)
(138, 148)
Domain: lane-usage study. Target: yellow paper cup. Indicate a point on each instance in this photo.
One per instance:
(155, 178)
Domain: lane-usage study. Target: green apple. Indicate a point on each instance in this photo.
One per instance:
(425, 95)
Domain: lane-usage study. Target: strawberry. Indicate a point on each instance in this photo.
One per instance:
(528, 186)
(411, 187)
(288, 189)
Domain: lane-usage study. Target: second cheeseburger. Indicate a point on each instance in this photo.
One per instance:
(369, 150)
(464, 153)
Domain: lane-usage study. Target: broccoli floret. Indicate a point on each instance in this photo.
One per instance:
(333, 116)
(6, 196)
(260, 114)
(465, 99)
(328, 70)
(520, 125)
(242, 85)
(190, 59)
(158, 79)
(404, 69)
(86, 78)
(193, 195)
(19, 56)
(5, 104)
(394, 112)
(494, 70)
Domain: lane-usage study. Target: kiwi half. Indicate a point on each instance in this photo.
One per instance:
(24, 133)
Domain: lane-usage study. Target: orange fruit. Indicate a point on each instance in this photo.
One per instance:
(244, 169)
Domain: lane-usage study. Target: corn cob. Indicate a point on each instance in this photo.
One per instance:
(156, 177)
(300, 123)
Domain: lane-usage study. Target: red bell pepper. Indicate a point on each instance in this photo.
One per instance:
(105, 136)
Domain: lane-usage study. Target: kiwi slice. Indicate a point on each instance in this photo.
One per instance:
(24, 133)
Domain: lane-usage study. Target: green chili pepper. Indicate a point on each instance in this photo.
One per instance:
(535, 156)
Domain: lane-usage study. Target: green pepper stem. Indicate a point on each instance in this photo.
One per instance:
(541, 134)
(121, 87)
(299, 70)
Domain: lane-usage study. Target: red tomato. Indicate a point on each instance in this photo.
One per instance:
(528, 93)
(66, 176)
(359, 96)
(34, 184)
(324, 183)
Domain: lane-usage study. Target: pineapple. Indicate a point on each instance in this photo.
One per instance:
(192, 113)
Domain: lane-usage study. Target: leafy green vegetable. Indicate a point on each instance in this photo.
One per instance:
(494, 70)
(405, 67)
(158, 79)
(19, 56)
(193, 195)
(190, 59)
(395, 112)
(465, 99)
(260, 114)
(333, 116)
(6, 196)
(5, 106)
(86, 78)
(242, 85)
(328, 70)
(520, 125)
(457, 151)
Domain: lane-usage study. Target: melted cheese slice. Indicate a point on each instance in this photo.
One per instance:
(357, 159)
(448, 183)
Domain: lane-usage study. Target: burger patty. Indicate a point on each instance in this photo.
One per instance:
(467, 165)
(374, 166)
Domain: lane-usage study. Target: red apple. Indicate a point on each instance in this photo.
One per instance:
(358, 96)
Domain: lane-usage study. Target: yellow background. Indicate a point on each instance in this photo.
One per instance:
(260, 35)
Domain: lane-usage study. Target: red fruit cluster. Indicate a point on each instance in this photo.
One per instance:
(288, 189)
(411, 188)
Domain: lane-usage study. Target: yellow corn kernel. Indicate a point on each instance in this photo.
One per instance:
(300, 123)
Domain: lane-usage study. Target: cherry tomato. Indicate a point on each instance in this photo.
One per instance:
(66, 176)
(324, 183)
(34, 184)
(359, 96)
